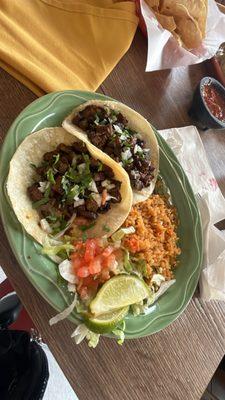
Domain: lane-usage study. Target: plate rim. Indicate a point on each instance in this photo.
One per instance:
(196, 273)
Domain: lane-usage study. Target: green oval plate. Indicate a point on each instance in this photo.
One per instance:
(48, 111)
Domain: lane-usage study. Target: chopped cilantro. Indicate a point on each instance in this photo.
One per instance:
(33, 166)
(105, 228)
(56, 157)
(84, 237)
(100, 167)
(37, 204)
(65, 183)
(87, 163)
(51, 218)
(96, 121)
(50, 176)
(74, 191)
(84, 228)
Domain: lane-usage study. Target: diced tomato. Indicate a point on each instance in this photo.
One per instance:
(104, 197)
(77, 262)
(78, 246)
(109, 261)
(83, 292)
(133, 244)
(107, 251)
(90, 250)
(83, 272)
(105, 275)
(79, 285)
(90, 282)
(95, 265)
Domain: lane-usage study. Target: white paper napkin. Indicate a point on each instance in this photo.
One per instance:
(163, 49)
(187, 145)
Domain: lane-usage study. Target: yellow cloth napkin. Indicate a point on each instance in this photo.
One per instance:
(52, 45)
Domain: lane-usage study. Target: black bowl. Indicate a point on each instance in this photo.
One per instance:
(199, 111)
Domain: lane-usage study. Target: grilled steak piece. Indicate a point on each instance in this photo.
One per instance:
(91, 205)
(34, 193)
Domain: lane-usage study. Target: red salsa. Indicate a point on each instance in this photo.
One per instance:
(215, 101)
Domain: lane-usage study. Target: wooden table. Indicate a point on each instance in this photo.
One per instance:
(177, 363)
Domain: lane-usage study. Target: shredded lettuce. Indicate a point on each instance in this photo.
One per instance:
(53, 247)
(65, 313)
(119, 332)
(142, 306)
(127, 262)
(82, 332)
(118, 235)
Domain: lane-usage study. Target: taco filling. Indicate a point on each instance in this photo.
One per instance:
(72, 186)
(108, 130)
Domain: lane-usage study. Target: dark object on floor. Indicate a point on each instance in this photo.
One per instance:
(199, 112)
(10, 308)
(23, 363)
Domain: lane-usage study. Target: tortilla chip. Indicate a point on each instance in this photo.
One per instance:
(166, 21)
(153, 4)
(189, 32)
(181, 8)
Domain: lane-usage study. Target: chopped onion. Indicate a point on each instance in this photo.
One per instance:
(66, 271)
(43, 186)
(108, 197)
(92, 186)
(106, 183)
(98, 198)
(45, 226)
(123, 137)
(117, 129)
(78, 203)
(126, 155)
(65, 313)
(137, 149)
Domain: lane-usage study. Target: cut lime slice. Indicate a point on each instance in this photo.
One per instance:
(119, 292)
(106, 322)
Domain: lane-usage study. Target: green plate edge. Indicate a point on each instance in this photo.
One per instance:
(49, 110)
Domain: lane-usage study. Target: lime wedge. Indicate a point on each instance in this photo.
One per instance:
(106, 322)
(118, 292)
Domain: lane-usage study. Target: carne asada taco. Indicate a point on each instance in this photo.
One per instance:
(58, 184)
(124, 135)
